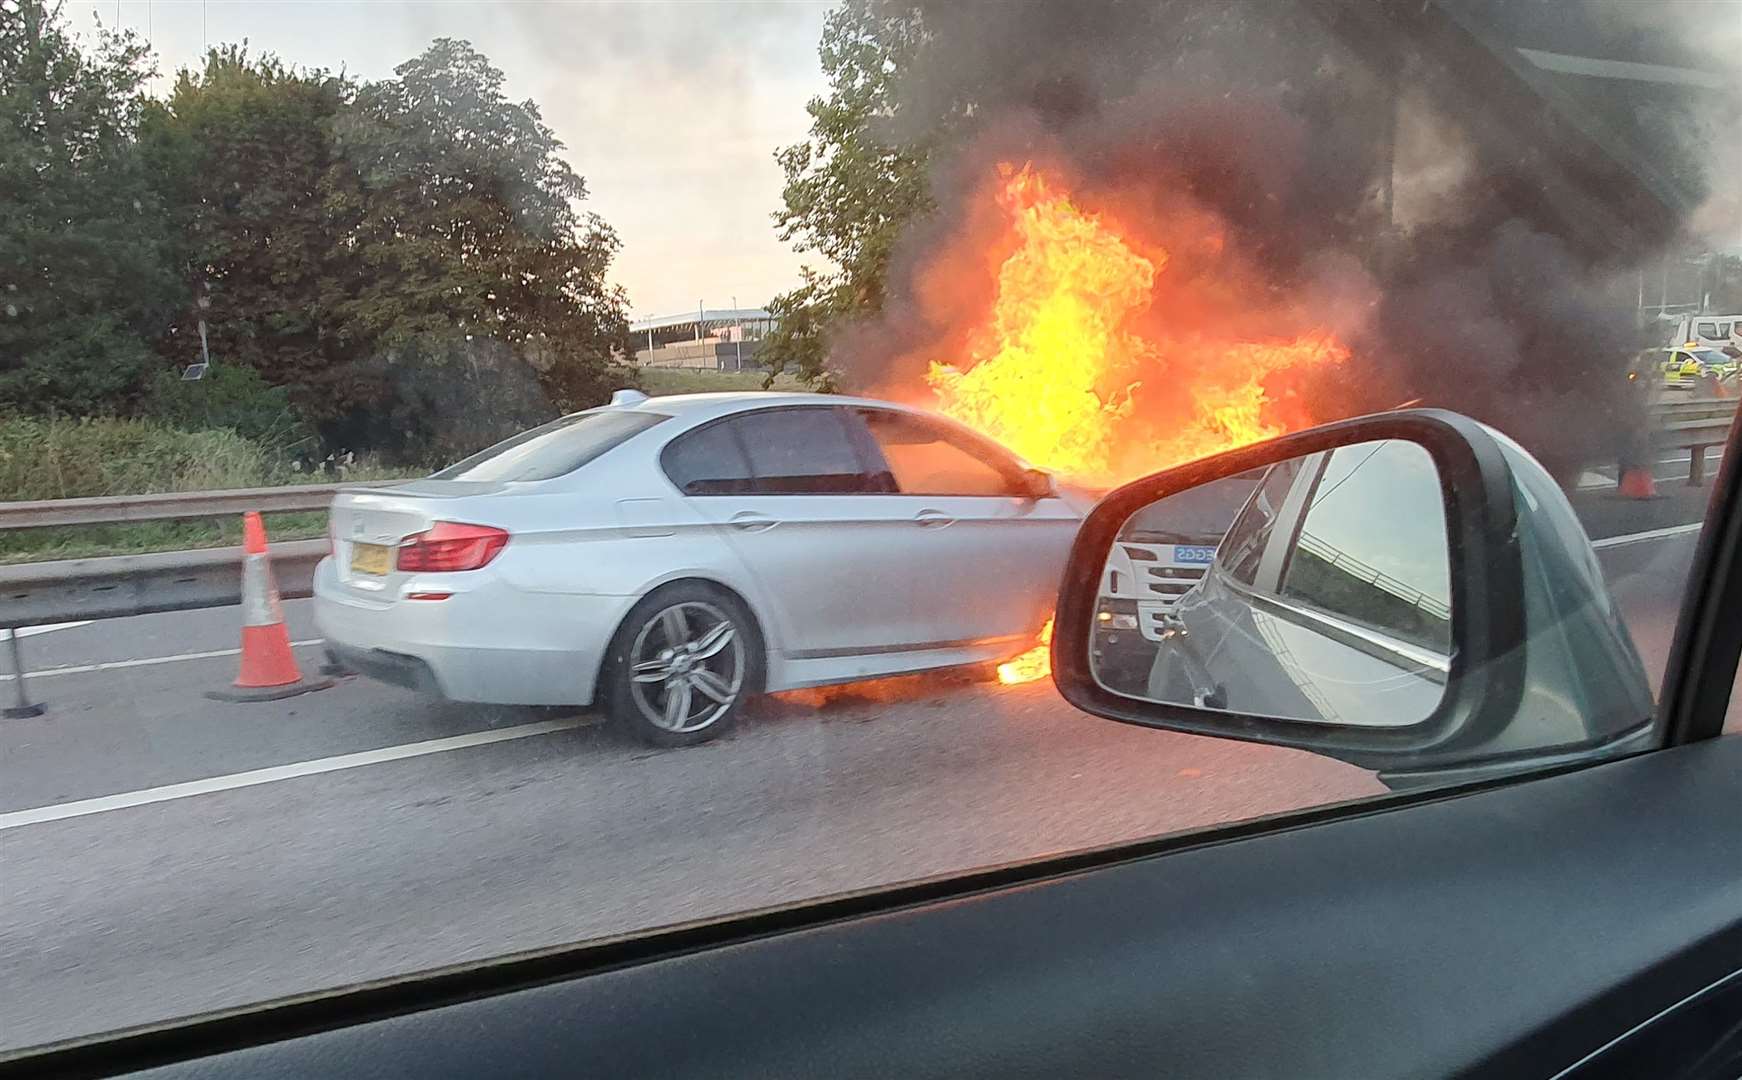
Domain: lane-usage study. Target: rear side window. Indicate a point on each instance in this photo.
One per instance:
(708, 461)
(1707, 330)
(929, 459)
(555, 449)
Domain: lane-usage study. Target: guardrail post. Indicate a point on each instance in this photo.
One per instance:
(24, 708)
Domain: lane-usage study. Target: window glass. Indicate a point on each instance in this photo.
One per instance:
(1372, 543)
(802, 452)
(929, 459)
(708, 461)
(1196, 516)
(557, 448)
(235, 253)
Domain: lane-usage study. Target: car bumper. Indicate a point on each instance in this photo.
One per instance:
(487, 642)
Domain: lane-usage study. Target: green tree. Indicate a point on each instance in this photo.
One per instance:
(474, 275)
(85, 280)
(854, 184)
(242, 153)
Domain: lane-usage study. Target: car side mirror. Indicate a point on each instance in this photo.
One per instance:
(1410, 592)
(1039, 484)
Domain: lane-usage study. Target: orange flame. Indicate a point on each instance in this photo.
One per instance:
(1054, 371)
(1057, 369)
(1034, 664)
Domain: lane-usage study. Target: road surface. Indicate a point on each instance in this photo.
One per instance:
(162, 854)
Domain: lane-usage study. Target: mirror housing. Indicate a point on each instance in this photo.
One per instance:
(1540, 670)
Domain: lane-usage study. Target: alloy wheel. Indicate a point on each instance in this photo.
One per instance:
(686, 666)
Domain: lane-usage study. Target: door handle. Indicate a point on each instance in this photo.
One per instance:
(932, 519)
(750, 521)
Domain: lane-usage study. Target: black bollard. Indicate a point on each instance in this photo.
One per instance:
(23, 709)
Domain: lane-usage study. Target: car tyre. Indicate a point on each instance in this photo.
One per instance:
(681, 665)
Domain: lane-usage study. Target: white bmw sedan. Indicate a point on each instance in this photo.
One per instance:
(668, 557)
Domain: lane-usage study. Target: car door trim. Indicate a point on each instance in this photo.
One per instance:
(906, 646)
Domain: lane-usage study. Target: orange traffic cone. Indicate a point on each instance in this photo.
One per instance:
(269, 671)
(1637, 483)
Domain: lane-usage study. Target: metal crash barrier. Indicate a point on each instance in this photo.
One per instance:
(1694, 426)
(112, 587)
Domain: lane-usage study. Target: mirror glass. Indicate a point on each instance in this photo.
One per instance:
(1315, 589)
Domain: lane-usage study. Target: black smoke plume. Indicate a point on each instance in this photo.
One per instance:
(1363, 184)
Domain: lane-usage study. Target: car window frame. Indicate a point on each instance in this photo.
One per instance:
(1352, 630)
(1230, 548)
(1001, 461)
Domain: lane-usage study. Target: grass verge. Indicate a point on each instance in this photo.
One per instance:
(69, 459)
(660, 381)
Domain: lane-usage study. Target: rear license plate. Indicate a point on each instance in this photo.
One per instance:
(374, 559)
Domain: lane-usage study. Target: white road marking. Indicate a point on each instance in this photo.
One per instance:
(1653, 534)
(1623, 69)
(149, 661)
(49, 628)
(126, 800)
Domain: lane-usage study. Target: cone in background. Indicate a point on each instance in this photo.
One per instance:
(1637, 483)
(269, 671)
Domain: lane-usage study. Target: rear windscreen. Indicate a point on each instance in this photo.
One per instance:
(559, 447)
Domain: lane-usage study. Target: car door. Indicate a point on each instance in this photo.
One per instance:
(791, 494)
(988, 546)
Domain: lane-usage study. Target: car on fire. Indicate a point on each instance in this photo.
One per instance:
(666, 558)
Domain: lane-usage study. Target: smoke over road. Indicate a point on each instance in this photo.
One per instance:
(1251, 146)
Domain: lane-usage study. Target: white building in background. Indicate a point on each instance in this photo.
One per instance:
(713, 339)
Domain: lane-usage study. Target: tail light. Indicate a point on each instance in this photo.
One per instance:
(448, 546)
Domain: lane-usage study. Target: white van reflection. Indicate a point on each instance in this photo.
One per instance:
(1163, 551)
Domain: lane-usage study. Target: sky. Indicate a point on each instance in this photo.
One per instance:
(672, 111)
